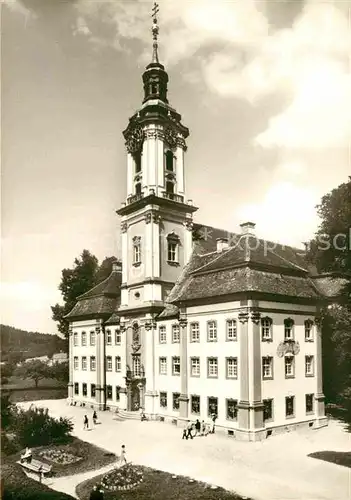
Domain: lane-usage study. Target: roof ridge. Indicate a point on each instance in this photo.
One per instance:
(288, 261)
(99, 284)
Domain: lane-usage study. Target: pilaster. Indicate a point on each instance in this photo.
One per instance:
(184, 397)
(319, 396)
(255, 379)
(100, 389)
(188, 240)
(71, 362)
(130, 174)
(149, 359)
(243, 405)
(180, 170)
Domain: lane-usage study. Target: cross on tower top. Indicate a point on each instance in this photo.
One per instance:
(155, 31)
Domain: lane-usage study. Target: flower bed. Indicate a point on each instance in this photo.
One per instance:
(59, 456)
(123, 478)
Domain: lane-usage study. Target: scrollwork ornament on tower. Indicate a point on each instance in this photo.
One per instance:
(135, 140)
(171, 137)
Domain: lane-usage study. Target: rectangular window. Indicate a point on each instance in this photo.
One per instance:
(118, 364)
(163, 366)
(163, 399)
(309, 403)
(84, 338)
(75, 339)
(268, 409)
(109, 363)
(109, 392)
(232, 367)
(194, 332)
(84, 363)
(176, 400)
(108, 337)
(136, 250)
(266, 329)
(308, 330)
(289, 329)
(231, 409)
(231, 330)
(172, 253)
(162, 334)
(212, 406)
(212, 367)
(267, 367)
(136, 366)
(195, 367)
(84, 389)
(195, 404)
(289, 406)
(118, 337)
(212, 331)
(92, 338)
(76, 388)
(176, 365)
(92, 390)
(289, 367)
(76, 363)
(309, 366)
(92, 363)
(175, 334)
(118, 393)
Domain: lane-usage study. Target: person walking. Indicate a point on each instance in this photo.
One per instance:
(94, 417)
(189, 428)
(123, 456)
(214, 418)
(197, 427)
(86, 423)
(203, 428)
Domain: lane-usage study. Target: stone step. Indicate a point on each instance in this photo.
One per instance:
(129, 415)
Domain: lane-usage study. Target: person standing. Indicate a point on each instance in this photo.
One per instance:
(197, 427)
(94, 417)
(86, 423)
(214, 418)
(123, 457)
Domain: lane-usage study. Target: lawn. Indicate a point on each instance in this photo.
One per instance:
(15, 485)
(24, 383)
(335, 457)
(158, 485)
(91, 457)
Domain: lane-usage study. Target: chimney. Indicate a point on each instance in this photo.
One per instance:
(248, 227)
(117, 267)
(222, 244)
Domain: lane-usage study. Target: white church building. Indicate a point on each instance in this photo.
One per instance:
(195, 321)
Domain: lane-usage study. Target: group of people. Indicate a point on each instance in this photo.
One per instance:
(200, 428)
(86, 421)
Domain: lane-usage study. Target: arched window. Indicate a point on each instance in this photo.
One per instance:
(137, 160)
(173, 248)
(169, 161)
(138, 188)
(136, 250)
(154, 88)
(169, 187)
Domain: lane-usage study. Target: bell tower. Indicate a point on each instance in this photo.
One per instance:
(156, 217)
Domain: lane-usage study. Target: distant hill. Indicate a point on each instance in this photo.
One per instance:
(16, 343)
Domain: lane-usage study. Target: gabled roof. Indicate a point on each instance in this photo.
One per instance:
(99, 302)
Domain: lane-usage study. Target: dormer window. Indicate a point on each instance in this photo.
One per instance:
(170, 161)
(173, 248)
(136, 250)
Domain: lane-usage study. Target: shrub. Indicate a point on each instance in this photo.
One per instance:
(35, 427)
(7, 410)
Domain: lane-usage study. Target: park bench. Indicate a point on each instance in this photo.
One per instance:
(35, 466)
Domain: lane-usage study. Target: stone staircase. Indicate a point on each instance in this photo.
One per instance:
(126, 415)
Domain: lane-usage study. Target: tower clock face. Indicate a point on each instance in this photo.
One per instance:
(171, 137)
(135, 140)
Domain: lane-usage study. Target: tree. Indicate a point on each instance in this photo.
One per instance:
(59, 371)
(330, 252)
(85, 274)
(35, 370)
(7, 370)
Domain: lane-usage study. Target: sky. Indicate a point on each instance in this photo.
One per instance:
(264, 87)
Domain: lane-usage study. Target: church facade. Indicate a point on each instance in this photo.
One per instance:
(196, 321)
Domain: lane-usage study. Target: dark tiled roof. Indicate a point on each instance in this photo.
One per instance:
(330, 286)
(170, 311)
(114, 319)
(243, 279)
(100, 301)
